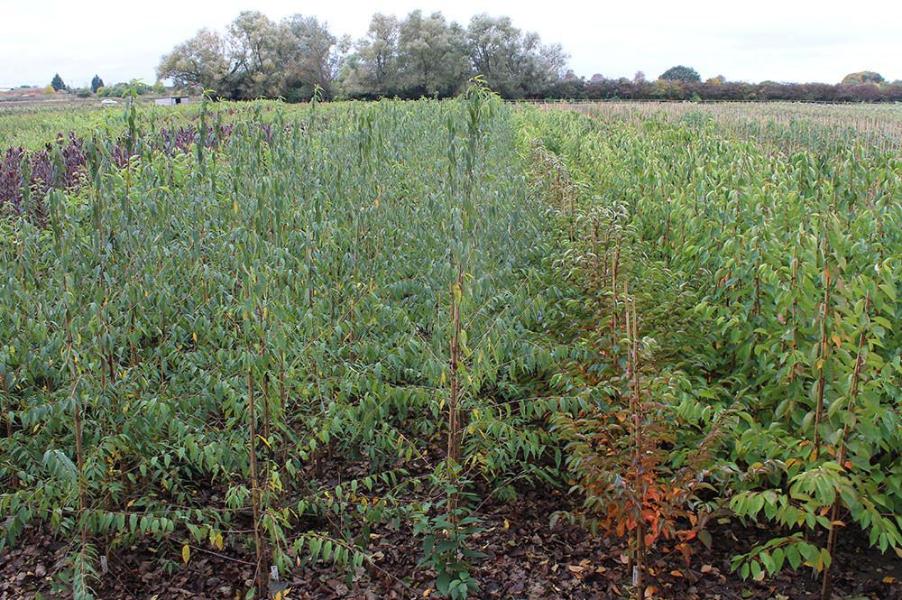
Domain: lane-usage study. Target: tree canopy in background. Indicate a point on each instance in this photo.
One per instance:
(680, 73)
(427, 55)
(862, 77)
(420, 55)
(257, 57)
(57, 83)
(96, 83)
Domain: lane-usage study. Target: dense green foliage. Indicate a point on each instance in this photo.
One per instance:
(767, 285)
(860, 77)
(309, 270)
(419, 55)
(680, 73)
(359, 315)
(426, 55)
(35, 128)
(57, 83)
(124, 89)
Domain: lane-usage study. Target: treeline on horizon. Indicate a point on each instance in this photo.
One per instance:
(721, 90)
(427, 55)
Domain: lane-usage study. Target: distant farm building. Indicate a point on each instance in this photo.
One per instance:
(172, 100)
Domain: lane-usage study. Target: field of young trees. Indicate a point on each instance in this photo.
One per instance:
(455, 348)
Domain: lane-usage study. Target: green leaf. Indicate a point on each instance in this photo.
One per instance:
(442, 583)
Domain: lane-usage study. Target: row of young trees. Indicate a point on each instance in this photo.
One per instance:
(745, 337)
(419, 55)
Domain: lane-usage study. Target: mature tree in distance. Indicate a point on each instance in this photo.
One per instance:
(96, 83)
(514, 63)
(426, 55)
(862, 77)
(432, 55)
(372, 69)
(680, 73)
(57, 83)
(420, 55)
(200, 61)
(311, 56)
(257, 57)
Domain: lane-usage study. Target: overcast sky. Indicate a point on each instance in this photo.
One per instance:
(783, 40)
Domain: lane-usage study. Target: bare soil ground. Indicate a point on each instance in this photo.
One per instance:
(526, 558)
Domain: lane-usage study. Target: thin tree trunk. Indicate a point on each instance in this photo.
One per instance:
(453, 403)
(637, 412)
(614, 267)
(632, 330)
(266, 409)
(827, 582)
(4, 388)
(77, 426)
(262, 573)
(454, 398)
(283, 397)
(822, 360)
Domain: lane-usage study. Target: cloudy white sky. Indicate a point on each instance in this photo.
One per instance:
(784, 40)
